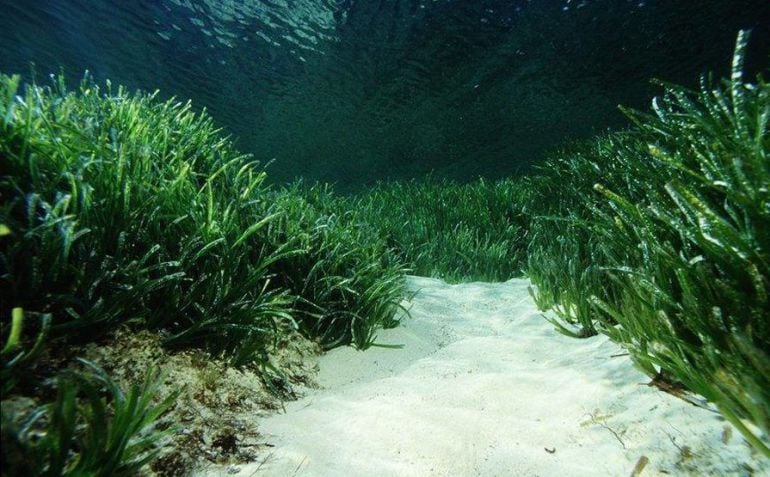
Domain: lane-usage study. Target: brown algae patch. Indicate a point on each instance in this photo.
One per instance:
(218, 409)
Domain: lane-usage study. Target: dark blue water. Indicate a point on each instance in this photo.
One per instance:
(352, 91)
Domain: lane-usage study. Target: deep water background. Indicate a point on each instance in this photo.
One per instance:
(354, 91)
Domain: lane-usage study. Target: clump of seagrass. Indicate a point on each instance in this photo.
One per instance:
(92, 427)
(457, 232)
(658, 237)
(119, 209)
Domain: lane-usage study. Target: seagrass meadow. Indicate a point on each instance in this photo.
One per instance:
(135, 234)
(657, 236)
(122, 210)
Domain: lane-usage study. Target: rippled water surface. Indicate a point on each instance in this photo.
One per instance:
(352, 91)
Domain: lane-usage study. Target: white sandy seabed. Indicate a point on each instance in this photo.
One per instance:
(484, 386)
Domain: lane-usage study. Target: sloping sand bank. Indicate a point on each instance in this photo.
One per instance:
(484, 386)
